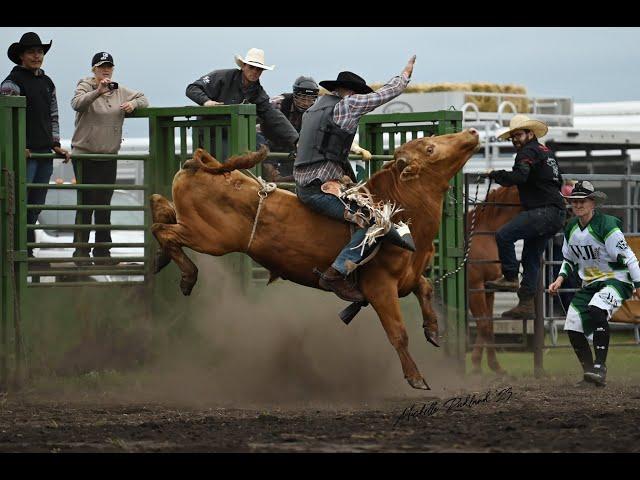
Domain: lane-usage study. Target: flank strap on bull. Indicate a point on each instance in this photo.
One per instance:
(265, 189)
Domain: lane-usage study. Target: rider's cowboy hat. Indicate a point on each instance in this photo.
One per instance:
(28, 40)
(347, 80)
(584, 189)
(254, 57)
(522, 122)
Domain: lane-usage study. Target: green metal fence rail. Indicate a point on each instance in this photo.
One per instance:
(12, 148)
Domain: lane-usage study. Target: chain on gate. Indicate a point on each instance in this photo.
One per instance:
(12, 257)
(471, 230)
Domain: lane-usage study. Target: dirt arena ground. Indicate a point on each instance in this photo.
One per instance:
(541, 416)
(290, 377)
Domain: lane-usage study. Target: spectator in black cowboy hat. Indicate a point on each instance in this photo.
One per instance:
(43, 131)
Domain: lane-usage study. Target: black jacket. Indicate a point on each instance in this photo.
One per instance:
(226, 86)
(537, 175)
(41, 103)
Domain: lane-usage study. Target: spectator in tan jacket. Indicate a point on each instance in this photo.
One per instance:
(101, 105)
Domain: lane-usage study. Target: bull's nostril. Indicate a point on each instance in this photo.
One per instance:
(473, 131)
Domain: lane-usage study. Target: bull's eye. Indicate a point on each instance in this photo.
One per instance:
(430, 149)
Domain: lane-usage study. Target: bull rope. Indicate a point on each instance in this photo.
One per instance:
(377, 214)
(265, 189)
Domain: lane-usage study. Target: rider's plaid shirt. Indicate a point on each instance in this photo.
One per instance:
(346, 114)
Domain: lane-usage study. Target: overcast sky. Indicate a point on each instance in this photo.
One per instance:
(595, 64)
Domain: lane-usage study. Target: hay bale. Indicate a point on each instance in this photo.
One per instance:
(485, 104)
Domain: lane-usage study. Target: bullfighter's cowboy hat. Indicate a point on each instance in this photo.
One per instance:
(347, 80)
(584, 189)
(254, 57)
(28, 40)
(522, 122)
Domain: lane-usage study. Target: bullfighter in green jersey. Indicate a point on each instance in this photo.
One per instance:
(595, 248)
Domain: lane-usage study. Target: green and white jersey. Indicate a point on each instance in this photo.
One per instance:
(599, 251)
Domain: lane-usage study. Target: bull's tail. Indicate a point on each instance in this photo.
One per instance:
(202, 160)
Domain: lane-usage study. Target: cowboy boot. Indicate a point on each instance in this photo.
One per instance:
(332, 280)
(525, 308)
(503, 284)
(400, 236)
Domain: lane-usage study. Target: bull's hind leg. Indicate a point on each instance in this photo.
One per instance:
(170, 239)
(383, 296)
(162, 211)
(424, 292)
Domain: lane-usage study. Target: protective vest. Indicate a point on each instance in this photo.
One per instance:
(321, 139)
(39, 93)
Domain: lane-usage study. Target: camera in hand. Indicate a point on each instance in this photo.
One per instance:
(112, 85)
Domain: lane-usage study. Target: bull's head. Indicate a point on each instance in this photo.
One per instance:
(443, 156)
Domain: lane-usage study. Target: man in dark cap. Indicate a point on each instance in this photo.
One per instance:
(328, 130)
(43, 131)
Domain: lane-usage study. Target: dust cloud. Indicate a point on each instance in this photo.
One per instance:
(285, 345)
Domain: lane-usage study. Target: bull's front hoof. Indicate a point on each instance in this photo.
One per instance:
(420, 384)
(186, 285)
(432, 338)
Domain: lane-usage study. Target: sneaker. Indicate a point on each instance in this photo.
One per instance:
(598, 375)
(104, 257)
(502, 285)
(81, 252)
(583, 383)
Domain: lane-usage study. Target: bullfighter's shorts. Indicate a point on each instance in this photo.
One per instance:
(607, 295)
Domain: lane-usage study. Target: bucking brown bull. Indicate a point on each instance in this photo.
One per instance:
(214, 209)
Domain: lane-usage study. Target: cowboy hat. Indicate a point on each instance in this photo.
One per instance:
(584, 189)
(254, 57)
(347, 80)
(28, 40)
(522, 122)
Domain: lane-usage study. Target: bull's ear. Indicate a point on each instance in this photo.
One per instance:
(410, 172)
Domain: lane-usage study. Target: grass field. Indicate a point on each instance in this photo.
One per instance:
(622, 361)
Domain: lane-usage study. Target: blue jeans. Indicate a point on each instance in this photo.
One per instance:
(329, 205)
(38, 171)
(535, 227)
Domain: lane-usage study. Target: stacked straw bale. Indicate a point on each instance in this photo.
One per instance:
(485, 104)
